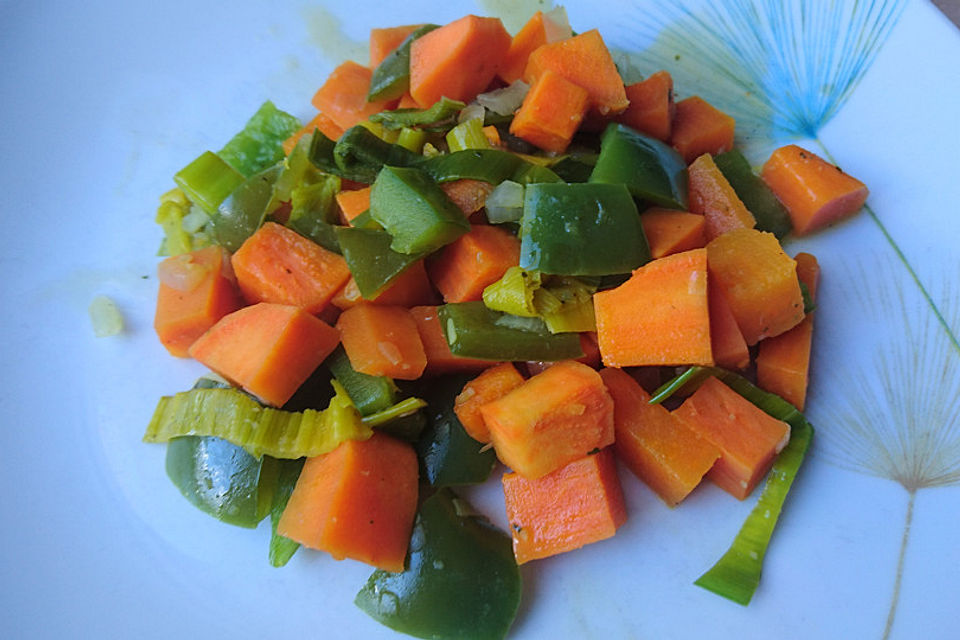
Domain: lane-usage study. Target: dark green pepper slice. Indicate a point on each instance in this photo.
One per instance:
(581, 229)
(373, 264)
(244, 210)
(651, 170)
(359, 155)
(260, 143)
(415, 211)
(440, 116)
(391, 78)
(461, 582)
(490, 165)
(368, 393)
(474, 331)
(283, 548)
(313, 211)
(448, 455)
(222, 479)
(756, 195)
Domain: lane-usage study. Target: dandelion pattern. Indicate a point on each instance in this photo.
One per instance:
(783, 70)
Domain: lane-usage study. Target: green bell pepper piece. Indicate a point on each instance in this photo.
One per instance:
(440, 116)
(243, 211)
(368, 393)
(756, 195)
(281, 547)
(575, 168)
(461, 582)
(650, 169)
(391, 78)
(222, 479)
(208, 180)
(490, 165)
(260, 143)
(474, 331)
(448, 455)
(415, 211)
(359, 155)
(313, 211)
(373, 264)
(581, 229)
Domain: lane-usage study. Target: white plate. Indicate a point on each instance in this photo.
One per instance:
(103, 102)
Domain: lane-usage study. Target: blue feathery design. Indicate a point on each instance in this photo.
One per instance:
(781, 69)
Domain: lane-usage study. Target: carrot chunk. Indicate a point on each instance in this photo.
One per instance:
(383, 41)
(352, 203)
(729, 348)
(815, 192)
(712, 197)
(783, 362)
(575, 505)
(410, 288)
(585, 61)
(201, 290)
(458, 60)
(699, 128)
(551, 112)
(492, 384)
(651, 107)
(358, 501)
(473, 261)
(268, 349)
(747, 437)
(670, 231)
(343, 97)
(538, 31)
(382, 341)
(439, 357)
(277, 264)
(758, 280)
(320, 122)
(554, 418)
(660, 449)
(660, 316)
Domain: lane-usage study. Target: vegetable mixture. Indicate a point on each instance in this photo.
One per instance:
(487, 248)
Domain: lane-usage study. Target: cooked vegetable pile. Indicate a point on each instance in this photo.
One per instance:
(485, 248)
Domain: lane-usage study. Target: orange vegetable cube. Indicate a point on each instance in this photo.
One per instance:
(660, 449)
(410, 288)
(384, 41)
(268, 349)
(465, 267)
(552, 419)
(539, 30)
(783, 362)
(699, 128)
(353, 203)
(660, 316)
(551, 112)
(382, 341)
(343, 97)
(748, 438)
(712, 197)
(578, 504)
(815, 192)
(670, 231)
(758, 280)
(729, 348)
(585, 61)
(201, 290)
(277, 264)
(651, 107)
(358, 501)
(458, 60)
(492, 384)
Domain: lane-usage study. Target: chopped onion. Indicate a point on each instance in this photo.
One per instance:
(105, 317)
(506, 100)
(470, 112)
(557, 25)
(181, 272)
(195, 220)
(505, 202)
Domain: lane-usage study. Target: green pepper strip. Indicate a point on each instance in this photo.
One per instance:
(756, 195)
(438, 116)
(281, 547)
(260, 143)
(372, 262)
(736, 574)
